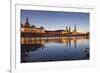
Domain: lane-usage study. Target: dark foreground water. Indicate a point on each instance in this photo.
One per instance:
(54, 49)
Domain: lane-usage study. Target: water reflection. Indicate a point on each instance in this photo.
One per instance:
(28, 48)
(54, 48)
(44, 40)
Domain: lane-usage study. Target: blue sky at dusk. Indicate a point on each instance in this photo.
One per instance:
(52, 20)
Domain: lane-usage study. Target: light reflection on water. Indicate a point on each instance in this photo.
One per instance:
(43, 49)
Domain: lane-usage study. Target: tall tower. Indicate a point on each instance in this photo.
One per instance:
(75, 29)
(69, 29)
(66, 29)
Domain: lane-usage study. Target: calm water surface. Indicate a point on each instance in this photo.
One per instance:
(43, 49)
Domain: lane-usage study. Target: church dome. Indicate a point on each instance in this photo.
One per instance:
(42, 27)
(27, 24)
(33, 26)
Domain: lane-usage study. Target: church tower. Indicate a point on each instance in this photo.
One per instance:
(66, 29)
(75, 29)
(69, 29)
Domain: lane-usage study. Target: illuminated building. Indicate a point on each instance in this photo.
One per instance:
(28, 30)
(31, 29)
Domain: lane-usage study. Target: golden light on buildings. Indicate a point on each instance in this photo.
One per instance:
(22, 29)
(27, 28)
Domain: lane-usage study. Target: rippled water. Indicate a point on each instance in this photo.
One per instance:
(44, 49)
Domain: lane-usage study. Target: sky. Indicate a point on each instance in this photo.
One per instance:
(54, 20)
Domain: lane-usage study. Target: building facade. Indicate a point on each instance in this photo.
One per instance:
(26, 27)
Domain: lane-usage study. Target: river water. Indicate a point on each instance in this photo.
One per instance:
(44, 49)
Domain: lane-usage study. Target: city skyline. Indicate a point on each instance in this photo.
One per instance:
(52, 20)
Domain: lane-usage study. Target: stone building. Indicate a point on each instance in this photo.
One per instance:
(26, 27)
